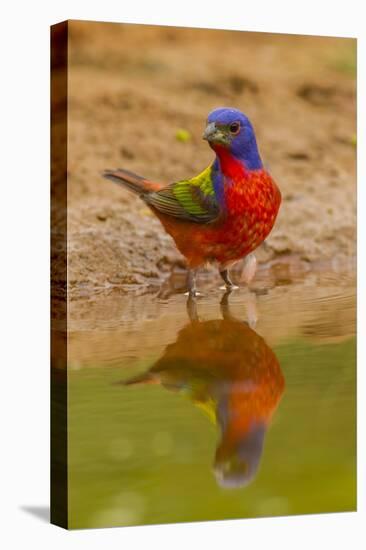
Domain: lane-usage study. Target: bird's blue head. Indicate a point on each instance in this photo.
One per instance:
(237, 466)
(229, 129)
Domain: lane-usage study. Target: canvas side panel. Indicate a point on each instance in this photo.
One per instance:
(59, 469)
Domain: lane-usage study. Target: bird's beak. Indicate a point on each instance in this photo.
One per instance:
(213, 134)
(210, 131)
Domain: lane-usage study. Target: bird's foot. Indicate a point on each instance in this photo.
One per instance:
(193, 293)
(229, 287)
(191, 283)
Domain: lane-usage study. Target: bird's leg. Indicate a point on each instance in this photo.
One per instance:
(249, 268)
(226, 278)
(191, 281)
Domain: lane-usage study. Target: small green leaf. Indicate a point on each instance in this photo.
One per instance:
(182, 135)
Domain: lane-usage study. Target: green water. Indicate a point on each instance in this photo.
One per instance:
(146, 453)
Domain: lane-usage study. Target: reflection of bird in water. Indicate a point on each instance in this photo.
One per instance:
(229, 371)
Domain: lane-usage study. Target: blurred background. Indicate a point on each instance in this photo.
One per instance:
(138, 99)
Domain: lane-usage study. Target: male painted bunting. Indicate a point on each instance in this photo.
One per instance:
(224, 213)
(227, 370)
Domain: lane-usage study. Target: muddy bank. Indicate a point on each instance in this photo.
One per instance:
(132, 88)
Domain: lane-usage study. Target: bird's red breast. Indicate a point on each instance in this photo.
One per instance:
(252, 201)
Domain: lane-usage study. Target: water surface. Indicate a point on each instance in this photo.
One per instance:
(232, 406)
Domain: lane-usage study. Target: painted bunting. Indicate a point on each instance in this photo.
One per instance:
(228, 371)
(224, 213)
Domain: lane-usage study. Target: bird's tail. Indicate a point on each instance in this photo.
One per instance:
(137, 184)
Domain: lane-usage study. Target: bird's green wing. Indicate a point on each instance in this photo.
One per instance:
(191, 200)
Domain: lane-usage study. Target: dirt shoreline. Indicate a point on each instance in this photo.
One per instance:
(132, 88)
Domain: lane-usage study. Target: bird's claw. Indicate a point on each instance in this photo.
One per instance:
(229, 287)
(193, 293)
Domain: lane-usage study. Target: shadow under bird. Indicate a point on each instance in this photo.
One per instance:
(227, 370)
(224, 213)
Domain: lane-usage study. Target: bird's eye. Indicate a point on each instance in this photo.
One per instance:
(234, 127)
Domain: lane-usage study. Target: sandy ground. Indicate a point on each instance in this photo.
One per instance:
(131, 88)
